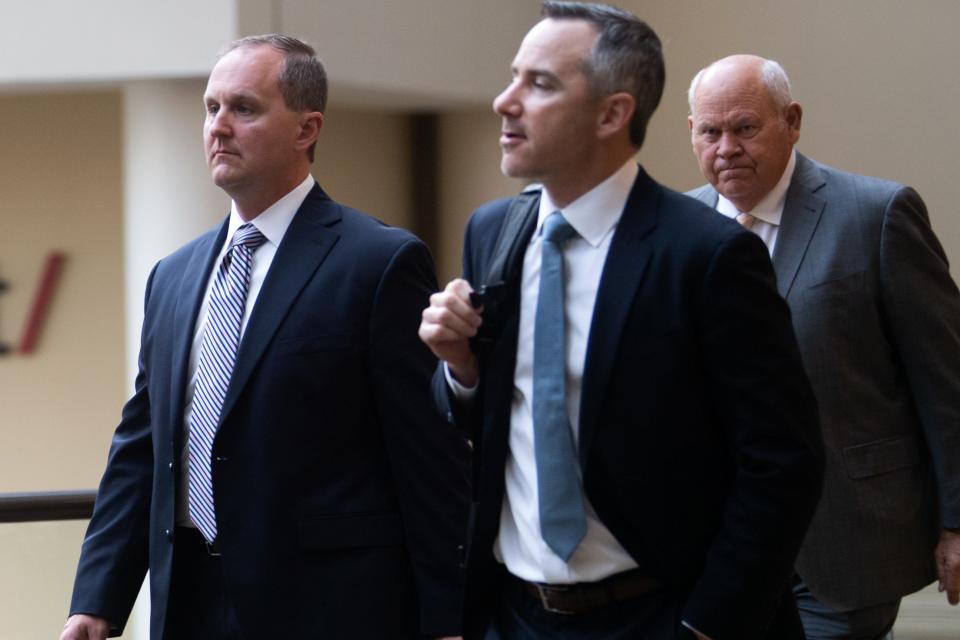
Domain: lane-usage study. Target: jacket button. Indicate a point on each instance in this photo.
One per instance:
(170, 466)
(169, 535)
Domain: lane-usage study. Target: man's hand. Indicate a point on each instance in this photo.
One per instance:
(447, 326)
(948, 564)
(84, 627)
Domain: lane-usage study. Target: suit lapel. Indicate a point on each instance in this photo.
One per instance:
(630, 253)
(192, 287)
(801, 214)
(305, 245)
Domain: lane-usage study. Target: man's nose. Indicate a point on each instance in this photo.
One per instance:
(219, 124)
(507, 104)
(729, 145)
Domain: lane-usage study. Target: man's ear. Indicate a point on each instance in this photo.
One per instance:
(616, 112)
(792, 115)
(310, 124)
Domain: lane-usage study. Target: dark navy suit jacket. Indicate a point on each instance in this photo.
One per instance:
(699, 442)
(341, 499)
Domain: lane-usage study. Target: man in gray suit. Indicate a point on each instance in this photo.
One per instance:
(877, 317)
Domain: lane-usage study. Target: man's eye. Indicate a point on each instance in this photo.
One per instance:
(212, 109)
(748, 130)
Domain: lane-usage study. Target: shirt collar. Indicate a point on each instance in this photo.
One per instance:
(274, 220)
(597, 212)
(770, 208)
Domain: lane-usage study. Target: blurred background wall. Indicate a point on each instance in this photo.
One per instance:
(100, 158)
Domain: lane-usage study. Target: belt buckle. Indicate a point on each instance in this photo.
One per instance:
(542, 591)
(213, 548)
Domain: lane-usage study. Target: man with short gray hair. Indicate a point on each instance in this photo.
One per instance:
(627, 487)
(877, 316)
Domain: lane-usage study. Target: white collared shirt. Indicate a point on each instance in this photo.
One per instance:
(520, 545)
(272, 223)
(769, 210)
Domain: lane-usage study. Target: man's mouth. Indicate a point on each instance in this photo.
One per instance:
(510, 137)
(721, 170)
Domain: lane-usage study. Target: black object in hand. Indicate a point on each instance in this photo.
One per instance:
(490, 297)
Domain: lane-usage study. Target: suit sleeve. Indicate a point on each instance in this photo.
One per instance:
(767, 410)
(462, 414)
(922, 308)
(428, 458)
(114, 555)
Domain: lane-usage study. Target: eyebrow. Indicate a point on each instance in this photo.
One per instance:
(538, 73)
(234, 97)
(542, 73)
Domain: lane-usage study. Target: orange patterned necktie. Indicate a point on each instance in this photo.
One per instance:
(746, 220)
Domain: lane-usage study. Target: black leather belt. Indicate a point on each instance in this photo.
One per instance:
(581, 597)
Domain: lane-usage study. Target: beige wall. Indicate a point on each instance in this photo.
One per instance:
(60, 189)
(469, 176)
(362, 161)
(39, 560)
(60, 173)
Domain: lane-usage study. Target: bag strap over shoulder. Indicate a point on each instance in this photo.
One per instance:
(517, 226)
(497, 293)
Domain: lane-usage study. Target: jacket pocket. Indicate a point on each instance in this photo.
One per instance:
(835, 289)
(372, 529)
(874, 458)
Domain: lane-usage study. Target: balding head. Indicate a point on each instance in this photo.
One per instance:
(769, 73)
(743, 126)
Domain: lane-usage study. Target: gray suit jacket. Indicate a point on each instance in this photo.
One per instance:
(877, 316)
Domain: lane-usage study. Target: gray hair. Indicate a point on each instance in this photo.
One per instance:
(627, 57)
(773, 77)
(302, 81)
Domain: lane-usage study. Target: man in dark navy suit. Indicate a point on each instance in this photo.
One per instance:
(279, 468)
(673, 497)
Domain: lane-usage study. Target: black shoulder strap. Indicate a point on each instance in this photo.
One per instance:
(517, 226)
(497, 294)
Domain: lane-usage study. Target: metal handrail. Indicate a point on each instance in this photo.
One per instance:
(39, 506)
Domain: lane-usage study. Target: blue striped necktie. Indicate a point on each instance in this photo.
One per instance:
(563, 521)
(218, 352)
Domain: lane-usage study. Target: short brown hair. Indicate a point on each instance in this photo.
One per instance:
(302, 81)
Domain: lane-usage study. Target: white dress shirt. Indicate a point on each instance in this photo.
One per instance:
(272, 223)
(520, 545)
(769, 210)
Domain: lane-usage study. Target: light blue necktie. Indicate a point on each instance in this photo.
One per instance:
(218, 352)
(563, 522)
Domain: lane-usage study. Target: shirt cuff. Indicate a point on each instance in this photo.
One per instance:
(460, 392)
(697, 631)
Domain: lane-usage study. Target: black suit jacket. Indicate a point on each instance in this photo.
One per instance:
(341, 499)
(699, 443)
